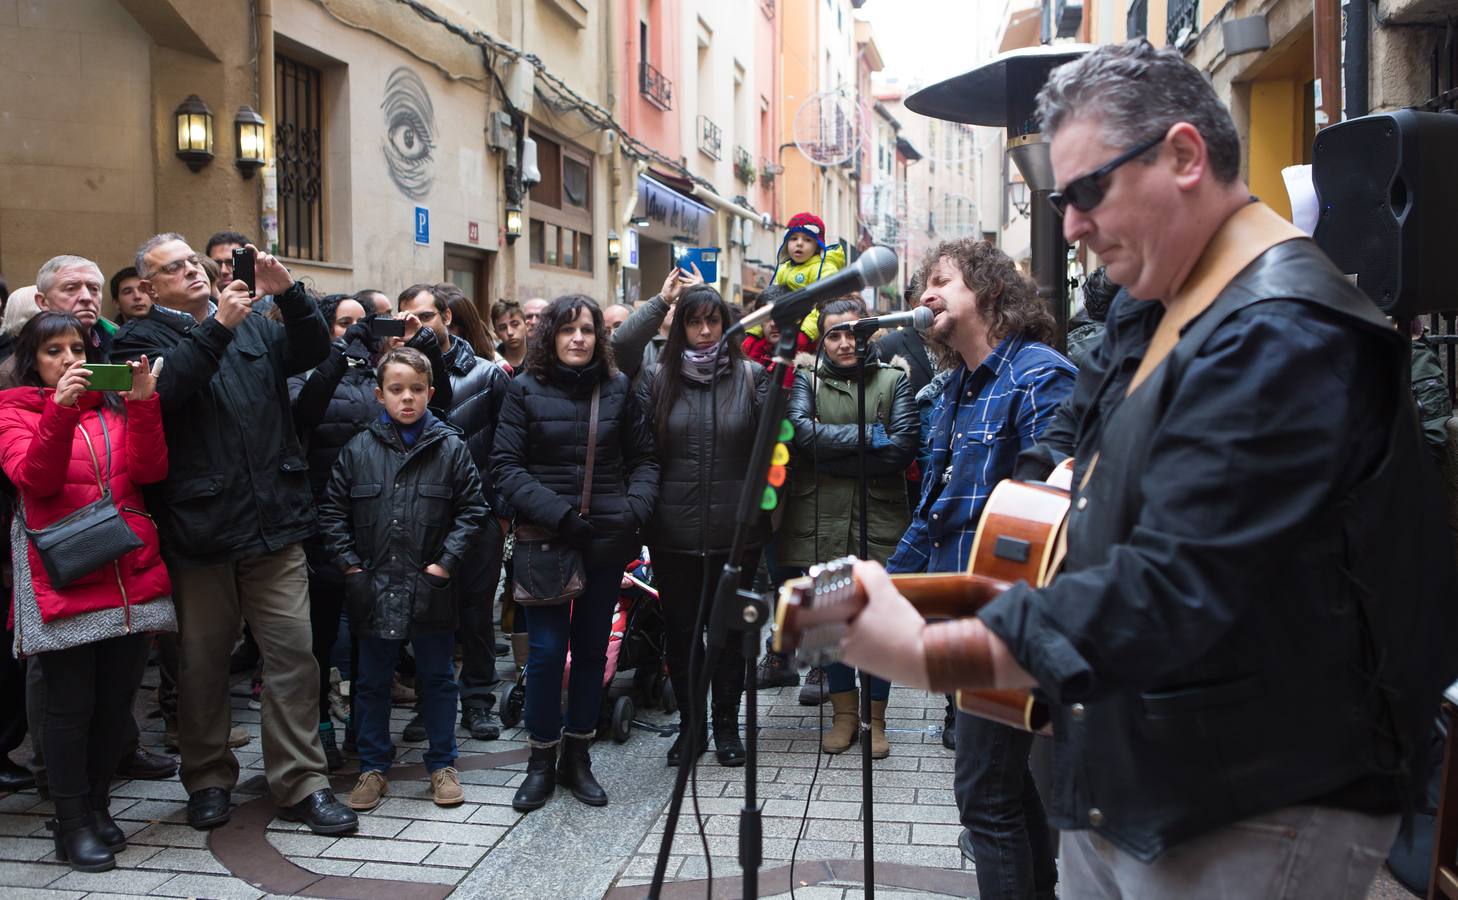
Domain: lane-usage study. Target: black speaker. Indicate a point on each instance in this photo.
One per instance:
(1387, 185)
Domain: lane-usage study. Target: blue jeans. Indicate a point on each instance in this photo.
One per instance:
(840, 678)
(583, 625)
(1002, 811)
(435, 684)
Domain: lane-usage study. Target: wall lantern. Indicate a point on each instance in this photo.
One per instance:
(614, 247)
(248, 130)
(194, 133)
(513, 224)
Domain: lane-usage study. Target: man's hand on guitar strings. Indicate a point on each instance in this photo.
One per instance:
(885, 639)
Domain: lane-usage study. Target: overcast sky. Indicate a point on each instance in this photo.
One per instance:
(928, 40)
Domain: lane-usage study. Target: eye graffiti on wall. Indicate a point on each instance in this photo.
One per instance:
(409, 133)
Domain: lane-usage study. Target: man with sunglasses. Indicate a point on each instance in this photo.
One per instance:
(1248, 639)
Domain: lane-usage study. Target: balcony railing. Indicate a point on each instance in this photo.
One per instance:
(1184, 23)
(711, 139)
(1137, 22)
(743, 165)
(768, 8)
(655, 86)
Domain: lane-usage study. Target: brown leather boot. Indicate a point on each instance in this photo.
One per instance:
(847, 721)
(880, 747)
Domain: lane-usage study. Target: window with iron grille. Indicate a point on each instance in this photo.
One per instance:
(1137, 24)
(299, 157)
(1183, 23)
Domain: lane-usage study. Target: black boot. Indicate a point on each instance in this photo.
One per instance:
(728, 748)
(76, 839)
(676, 752)
(541, 780)
(112, 836)
(574, 771)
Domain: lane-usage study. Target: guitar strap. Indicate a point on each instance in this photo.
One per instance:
(1245, 236)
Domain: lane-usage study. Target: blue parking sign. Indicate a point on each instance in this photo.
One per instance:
(422, 225)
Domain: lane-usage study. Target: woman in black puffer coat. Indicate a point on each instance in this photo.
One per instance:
(539, 463)
(331, 404)
(703, 403)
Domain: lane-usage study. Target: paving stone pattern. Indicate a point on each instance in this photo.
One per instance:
(483, 848)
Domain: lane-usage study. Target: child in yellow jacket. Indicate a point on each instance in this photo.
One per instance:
(804, 259)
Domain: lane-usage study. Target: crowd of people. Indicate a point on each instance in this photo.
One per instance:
(349, 482)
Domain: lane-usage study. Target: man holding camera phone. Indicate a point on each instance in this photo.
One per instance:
(232, 514)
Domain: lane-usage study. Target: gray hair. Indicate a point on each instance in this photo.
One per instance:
(150, 244)
(1136, 93)
(45, 279)
(19, 309)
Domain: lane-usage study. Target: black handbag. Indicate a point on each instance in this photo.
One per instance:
(83, 541)
(545, 570)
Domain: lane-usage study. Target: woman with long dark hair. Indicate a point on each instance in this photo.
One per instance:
(64, 447)
(540, 462)
(467, 324)
(703, 399)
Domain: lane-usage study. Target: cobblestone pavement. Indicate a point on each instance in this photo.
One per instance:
(408, 848)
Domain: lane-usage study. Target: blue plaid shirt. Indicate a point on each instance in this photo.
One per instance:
(981, 422)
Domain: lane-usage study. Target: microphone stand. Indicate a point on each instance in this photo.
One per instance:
(862, 337)
(741, 613)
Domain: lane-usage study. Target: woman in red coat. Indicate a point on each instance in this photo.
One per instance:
(90, 637)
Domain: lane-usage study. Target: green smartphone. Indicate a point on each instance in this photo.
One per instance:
(106, 377)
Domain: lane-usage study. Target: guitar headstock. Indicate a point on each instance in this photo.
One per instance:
(813, 612)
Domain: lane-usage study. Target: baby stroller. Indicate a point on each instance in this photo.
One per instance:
(635, 643)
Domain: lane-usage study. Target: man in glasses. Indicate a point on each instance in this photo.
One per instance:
(232, 514)
(1246, 645)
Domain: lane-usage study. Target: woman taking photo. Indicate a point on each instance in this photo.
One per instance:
(703, 403)
(65, 447)
(822, 515)
(541, 462)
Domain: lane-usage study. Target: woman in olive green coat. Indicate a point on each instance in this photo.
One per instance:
(822, 512)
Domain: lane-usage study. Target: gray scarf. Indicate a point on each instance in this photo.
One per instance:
(704, 366)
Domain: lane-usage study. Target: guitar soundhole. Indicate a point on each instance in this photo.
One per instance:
(1012, 549)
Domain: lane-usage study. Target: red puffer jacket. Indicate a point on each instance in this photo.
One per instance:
(44, 455)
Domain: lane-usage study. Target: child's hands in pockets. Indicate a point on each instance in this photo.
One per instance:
(437, 570)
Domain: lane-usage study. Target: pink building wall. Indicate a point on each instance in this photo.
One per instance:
(655, 127)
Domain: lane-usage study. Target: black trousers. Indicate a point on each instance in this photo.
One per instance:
(477, 632)
(680, 579)
(88, 692)
(12, 689)
(1001, 809)
(326, 604)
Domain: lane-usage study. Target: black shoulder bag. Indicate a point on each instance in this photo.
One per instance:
(545, 570)
(83, 541)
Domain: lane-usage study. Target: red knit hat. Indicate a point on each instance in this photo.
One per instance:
(810, 224)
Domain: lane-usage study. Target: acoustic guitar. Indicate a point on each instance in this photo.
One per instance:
(1019, 538)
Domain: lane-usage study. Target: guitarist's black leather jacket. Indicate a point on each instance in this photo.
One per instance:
(1257, 607)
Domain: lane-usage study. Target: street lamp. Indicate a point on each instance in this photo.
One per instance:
(248, 132)
(513, 223)
(614, 247)
(194, 132)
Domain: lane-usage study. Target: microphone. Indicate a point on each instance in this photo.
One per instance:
(919, 318)
(874, 268)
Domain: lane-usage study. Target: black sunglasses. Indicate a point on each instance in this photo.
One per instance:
(1087, 191)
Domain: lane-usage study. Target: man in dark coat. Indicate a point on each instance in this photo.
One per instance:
(232, 515)
(1254, 620)
(478, 386)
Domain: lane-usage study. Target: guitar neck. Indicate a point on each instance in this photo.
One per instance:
(948, 595)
